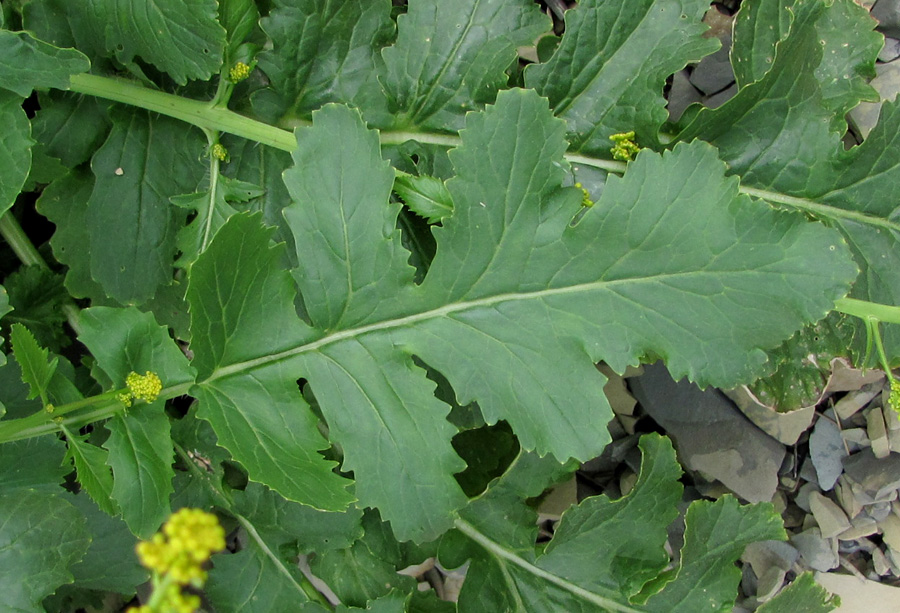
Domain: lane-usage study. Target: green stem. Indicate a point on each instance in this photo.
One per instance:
(213, 116)
(197, 113)
(501, 552)
(103, 406)
(21, 245)
(868, 310)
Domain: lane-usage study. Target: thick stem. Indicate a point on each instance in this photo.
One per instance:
(868, 310)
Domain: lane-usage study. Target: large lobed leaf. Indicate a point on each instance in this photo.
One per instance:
(517, 306)
(607, 74)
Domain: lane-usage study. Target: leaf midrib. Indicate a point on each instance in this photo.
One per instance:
(455, 307)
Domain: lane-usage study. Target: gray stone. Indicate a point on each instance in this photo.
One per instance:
(714, 72)
(879, 510)
(831, 519)
(890, 531)
(877, 432)
(681, 95)
(857, 399)
(847, 497)
(816, 553)
(826, 450)
(887, 12)
(712, 436)
(878, 477)
(890, 51)
(860, 527)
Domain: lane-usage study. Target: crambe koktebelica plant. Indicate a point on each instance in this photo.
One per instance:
(359, 234)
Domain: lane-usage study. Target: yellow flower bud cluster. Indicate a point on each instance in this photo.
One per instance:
(239, 72)
(185, 543)
(625, 148)
(177, 554)
(894, 399)
(219, 152)
(141, 387)
(585, 196)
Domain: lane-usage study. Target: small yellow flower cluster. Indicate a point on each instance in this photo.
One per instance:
(585, 196)
(625, 148)
(177, 554)
(186, 542)
(220, 152)
(141, 387)
(894, 399)
(239, 72)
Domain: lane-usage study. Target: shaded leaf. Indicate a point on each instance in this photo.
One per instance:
(41, 535)
(15, 148)
(607, 74)
(32, 464)
(28, 63)
(450, 57)
(110, 563)
(182, 38)
(37, 297)
(323, 52)
(70, 126)
(132, 225)
(250, 580)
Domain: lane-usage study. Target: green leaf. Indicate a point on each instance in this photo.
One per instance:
(181, 38)
(803, 595)
(450, 57)
(71, 127)
(791, 127)
(144, 160)
(424, 195)
(32, 465)
(262, 419)
(250, 581)
(619, 544)
(15, 148)
(608, 72)
(91, 466)
(505, 298)
(140, 446)
(281, 521)
(110, 563)
(758, 27)
(844, 32)
(394, 601)
(67, 24)
(238, 17)
(715, 536)
(41, 535)
(322, 52)
(28, 63)
(212, 212)
(65, 203)
(368, 569)
(37, 297)
(36, 369)
(4, 309)
(339, 206)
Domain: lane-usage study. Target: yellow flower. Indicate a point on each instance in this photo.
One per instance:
(239, 72)
(176, 556)
(146, 387)
(625, 148)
